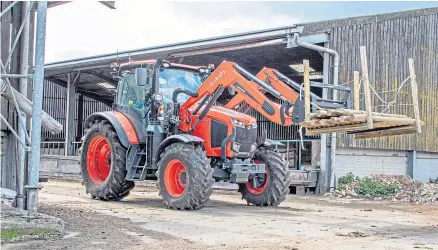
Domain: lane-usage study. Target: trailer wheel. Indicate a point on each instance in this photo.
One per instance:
(103, 163)
(270, 189)
(184, 177)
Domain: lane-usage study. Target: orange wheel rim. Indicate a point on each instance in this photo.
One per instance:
(261, 189)
(175, 178)
(98, 159)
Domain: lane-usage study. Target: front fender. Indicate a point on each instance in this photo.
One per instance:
(173, 139)
(123, 127)
(272, 143)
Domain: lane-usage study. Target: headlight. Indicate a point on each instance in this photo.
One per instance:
(238, 123)
(253, 148)
(157, 97)
(254, 125)
(201, 70)
(166, 65)
(235, 147)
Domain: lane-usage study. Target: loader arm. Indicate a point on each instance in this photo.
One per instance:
(269, 76)
(229, 74)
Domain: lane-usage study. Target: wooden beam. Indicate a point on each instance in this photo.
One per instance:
(404, 130)
(306, 89)
(356, 91)
(363, 59)
(414, 91)
(346, 128)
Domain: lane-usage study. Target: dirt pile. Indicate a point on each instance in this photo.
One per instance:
(387, 187)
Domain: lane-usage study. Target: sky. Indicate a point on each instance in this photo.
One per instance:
(80, 29)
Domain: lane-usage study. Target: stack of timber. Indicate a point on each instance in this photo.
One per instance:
(356, 122)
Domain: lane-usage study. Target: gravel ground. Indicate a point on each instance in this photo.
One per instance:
(141, 222)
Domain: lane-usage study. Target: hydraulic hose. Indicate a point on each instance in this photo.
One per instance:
(178, 91)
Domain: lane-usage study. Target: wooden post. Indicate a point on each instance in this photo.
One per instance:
(306, 89)
(366, 86)
(414, 90)
(356, 91)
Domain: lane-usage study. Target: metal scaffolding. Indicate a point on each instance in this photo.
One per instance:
(17, 42)
(28, 143)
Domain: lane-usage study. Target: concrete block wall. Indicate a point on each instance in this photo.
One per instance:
(365, 162)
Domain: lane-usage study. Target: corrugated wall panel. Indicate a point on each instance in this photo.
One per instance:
(389, 44)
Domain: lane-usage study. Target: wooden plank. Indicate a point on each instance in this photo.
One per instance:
(306, 89)
(387, 132)
(346, 128)
(356, 90)
(363, 59)
(414, 90)
(341, 112)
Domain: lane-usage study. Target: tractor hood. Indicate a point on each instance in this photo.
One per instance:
(216, 112)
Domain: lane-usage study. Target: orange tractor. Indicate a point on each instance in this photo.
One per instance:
(166, 126)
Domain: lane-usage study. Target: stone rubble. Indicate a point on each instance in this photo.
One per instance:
(408, 190)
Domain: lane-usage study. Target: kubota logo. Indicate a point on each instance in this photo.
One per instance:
(217, 78)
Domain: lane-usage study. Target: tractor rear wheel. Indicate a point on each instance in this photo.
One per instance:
(268, 189)
(185, 179)
(103, 163)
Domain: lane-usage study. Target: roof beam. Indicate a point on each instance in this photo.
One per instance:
(103, 77)
(51, 4)
(109, 4)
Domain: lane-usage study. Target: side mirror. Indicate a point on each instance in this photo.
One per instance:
(141, 76)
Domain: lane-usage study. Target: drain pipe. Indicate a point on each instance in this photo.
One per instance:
(335, 97)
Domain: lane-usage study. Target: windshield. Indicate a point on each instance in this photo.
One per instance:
(171, 79)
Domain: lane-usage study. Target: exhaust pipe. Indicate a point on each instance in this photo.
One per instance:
(335, 97)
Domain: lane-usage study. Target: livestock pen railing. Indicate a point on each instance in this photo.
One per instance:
(58, 148)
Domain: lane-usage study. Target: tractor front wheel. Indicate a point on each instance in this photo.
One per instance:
(271, 188)
(103, 160)
(184, 177)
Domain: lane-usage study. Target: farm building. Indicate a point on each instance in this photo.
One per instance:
(76, 88)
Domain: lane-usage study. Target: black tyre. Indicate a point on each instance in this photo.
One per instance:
(184, 177)
(268, 189)
(103, 163)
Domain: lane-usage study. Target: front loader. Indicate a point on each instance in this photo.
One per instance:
(166, 126)
(331, 115)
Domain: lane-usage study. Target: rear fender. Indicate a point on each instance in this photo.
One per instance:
(121, 124)
(173, 139)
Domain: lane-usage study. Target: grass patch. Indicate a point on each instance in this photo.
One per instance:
(18, 234)
(9, 234)
(368, 186)
(347, 179)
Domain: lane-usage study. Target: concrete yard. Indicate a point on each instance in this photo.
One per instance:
(141, 222)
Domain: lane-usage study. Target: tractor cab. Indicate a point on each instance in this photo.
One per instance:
(134, 90)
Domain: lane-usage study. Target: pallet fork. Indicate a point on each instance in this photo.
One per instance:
(361, 123)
